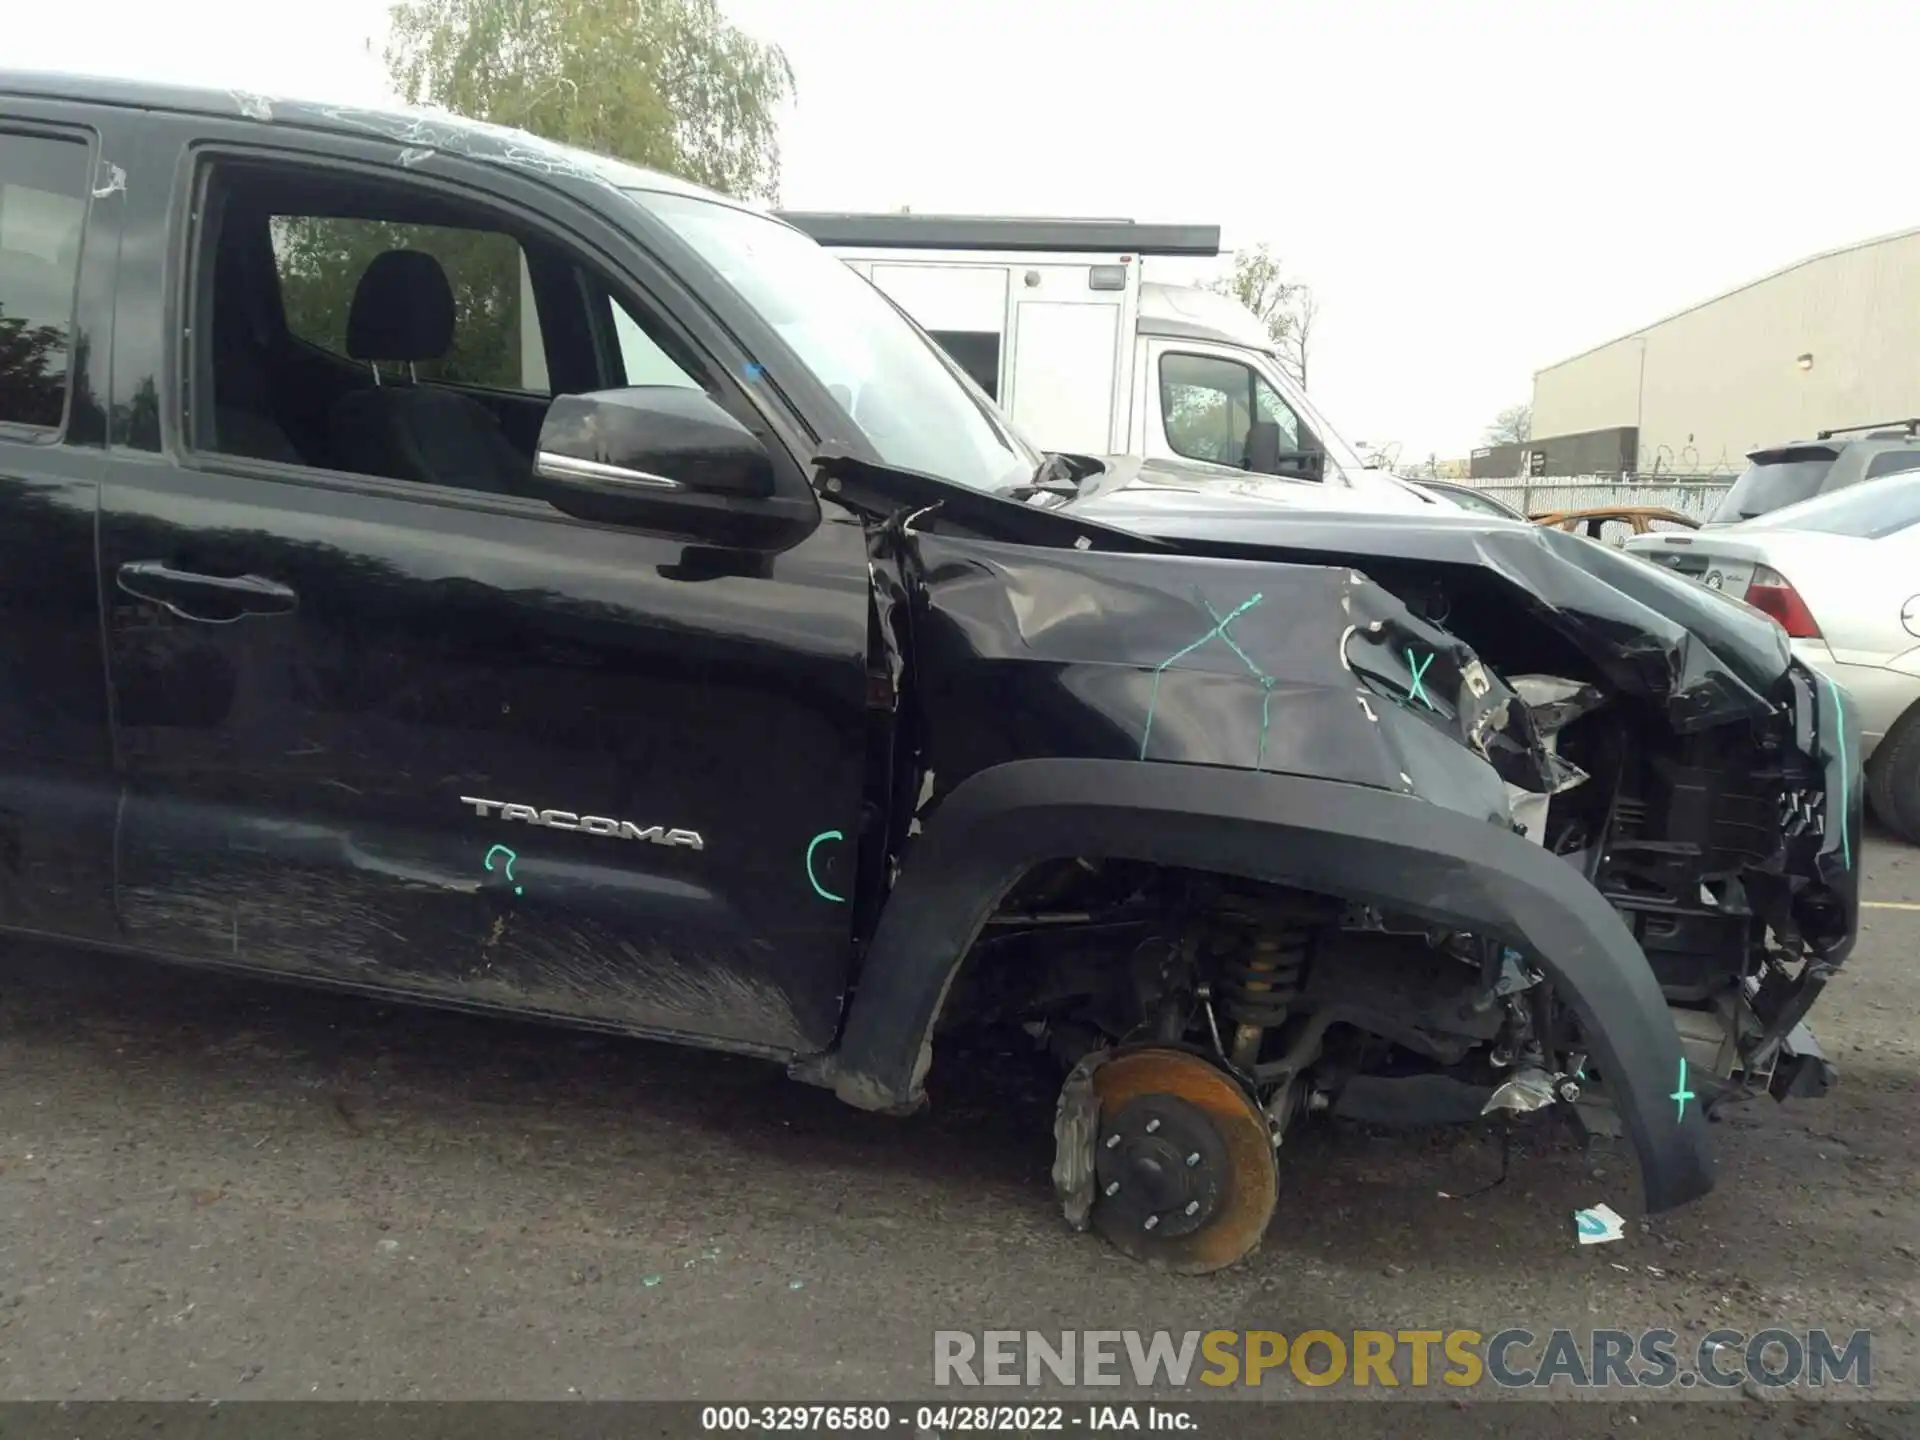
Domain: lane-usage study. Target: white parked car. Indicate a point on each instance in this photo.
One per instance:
(1841, 573)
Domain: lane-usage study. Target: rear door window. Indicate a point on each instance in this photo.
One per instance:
(43, 205)
(1773, 479)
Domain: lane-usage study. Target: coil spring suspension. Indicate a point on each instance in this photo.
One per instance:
(1258, 981)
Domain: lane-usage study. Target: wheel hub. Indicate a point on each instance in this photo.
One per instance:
(1183, 1164)
(1159, 1163)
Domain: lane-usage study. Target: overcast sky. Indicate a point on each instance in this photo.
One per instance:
(1474, 189)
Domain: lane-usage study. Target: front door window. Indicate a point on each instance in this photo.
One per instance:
(1209, 406)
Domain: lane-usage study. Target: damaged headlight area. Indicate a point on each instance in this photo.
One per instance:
(1430, 675)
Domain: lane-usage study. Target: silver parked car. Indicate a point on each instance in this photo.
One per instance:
(1832, 460)
(1841, 573)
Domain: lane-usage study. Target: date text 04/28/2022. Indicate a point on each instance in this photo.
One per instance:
(945, 1419)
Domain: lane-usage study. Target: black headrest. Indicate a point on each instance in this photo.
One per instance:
(402, 309)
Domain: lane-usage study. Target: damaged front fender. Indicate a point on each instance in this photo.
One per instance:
(1292, 669)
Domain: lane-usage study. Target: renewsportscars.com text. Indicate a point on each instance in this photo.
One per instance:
(1510, 1359)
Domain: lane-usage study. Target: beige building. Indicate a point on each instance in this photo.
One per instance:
(1831, 341)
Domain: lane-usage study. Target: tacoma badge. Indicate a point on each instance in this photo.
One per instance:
(588, 824)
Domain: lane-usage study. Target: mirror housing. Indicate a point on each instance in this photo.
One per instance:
(647, 443)
(1265, 455)
(1263, 447)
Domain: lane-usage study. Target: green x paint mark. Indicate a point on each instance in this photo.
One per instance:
(822, 838)
(1219, 629)
(1419, 668)
(1681, 1094)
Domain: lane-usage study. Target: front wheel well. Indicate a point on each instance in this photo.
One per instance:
(1280, 832)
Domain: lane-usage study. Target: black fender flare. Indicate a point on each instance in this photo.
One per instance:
(1368, 845)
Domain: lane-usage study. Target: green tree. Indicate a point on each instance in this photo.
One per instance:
(33, 371)
(668, 84)
(1286, 308)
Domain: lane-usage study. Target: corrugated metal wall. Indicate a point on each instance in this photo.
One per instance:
(1707, 385)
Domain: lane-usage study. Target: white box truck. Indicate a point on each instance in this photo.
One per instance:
(1056, 322)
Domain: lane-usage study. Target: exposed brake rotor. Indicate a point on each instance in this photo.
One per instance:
(1185, 1177)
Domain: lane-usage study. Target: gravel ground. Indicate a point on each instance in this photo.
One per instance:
(220, 1188)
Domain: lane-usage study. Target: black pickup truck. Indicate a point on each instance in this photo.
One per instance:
(443, 564)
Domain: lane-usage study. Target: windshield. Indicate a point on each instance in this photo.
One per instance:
(1867, 512)
(1342, 454)
(1772, 481)
(912, 407)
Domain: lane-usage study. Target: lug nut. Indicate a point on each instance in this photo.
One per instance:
(1113, 1187)
(1152, 1125)
(1193, 1207)
(1152, 1220)
(1193, 1159)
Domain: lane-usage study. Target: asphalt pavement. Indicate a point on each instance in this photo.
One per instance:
(225, 1188)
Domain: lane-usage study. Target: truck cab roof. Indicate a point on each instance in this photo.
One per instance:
(1186, 312)
(413, 126)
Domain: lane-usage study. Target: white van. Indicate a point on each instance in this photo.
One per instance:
(1055, 321)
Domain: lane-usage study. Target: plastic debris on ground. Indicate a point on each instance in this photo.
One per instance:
(1598, 1225)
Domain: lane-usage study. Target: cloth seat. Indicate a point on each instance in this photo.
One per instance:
(402, 314)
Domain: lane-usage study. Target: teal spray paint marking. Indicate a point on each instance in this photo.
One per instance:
(1219, 630)
(1840, 735)
(511, 857)
(822, 838)
(1681, 1094)
(1419, 691)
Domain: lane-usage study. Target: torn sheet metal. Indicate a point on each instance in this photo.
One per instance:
(1707, 659)
(1027, 652)
(1526, 1090)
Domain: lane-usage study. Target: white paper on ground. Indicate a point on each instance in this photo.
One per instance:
(1598, 1225)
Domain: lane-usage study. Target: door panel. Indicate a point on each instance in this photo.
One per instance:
(58, 248)
(302, 779)
(57, 787)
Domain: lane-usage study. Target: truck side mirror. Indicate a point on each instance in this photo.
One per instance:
(648, 442)
(1267, 456)
(1263, 447)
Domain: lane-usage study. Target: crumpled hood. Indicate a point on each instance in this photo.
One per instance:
(1707, 659)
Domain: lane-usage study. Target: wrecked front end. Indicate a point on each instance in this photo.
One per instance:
(1415, 830)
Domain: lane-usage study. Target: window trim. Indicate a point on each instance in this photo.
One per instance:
(188, 271)
(19, 431)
